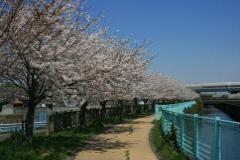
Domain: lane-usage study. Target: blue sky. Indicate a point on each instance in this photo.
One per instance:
(197, 40)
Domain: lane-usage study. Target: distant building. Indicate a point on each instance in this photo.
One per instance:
(17, 107)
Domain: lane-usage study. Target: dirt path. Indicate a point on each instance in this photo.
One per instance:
(123, 142)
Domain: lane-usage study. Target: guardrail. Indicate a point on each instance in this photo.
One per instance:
(4, 128)
(200, 137)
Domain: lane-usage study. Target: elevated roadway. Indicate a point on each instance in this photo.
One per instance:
(231, 87)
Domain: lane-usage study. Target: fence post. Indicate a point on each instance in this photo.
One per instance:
(168, 118)
(217, 139)
(196, 135)
(158, 111)
(77, 119)
(163, 122)
(156, 108)
(23, 126)
(168, 123)
(50, 124)
(173, 119)
(182, 132)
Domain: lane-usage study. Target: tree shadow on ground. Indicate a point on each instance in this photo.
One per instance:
(139, 122)
(101, 144)
(120, 129)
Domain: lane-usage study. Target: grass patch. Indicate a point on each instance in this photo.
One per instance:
(57, 146)
(163, 147)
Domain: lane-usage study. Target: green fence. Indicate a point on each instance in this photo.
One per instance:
(200, 137)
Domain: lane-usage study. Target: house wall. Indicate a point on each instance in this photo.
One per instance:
(7, 109)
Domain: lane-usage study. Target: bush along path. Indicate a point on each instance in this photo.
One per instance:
(126, 141)
(165, 146)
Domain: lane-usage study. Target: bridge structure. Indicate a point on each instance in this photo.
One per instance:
(231, 87)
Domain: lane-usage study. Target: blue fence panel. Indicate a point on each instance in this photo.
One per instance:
(200, 137)
(42, 116)
(206, 140)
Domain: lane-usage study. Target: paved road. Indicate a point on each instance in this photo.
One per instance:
(123, 142)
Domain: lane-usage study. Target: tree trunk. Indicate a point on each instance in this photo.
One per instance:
(120, 111)
(103, 109)
(153, 106)
(29, 122)
(145, 107)
(82, 116)
(136, 106)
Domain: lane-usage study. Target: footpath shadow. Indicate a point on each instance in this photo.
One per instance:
(120, 129)
(138, 122)
(103, 144)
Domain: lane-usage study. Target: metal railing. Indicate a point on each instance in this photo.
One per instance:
(13, 127)
(200, 137)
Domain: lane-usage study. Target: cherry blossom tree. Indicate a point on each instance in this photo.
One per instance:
(112, 69)
(107, 72)
(130, 64)
(160, 87)
(29, 31)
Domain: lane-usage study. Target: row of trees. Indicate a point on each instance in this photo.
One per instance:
(55, 52)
